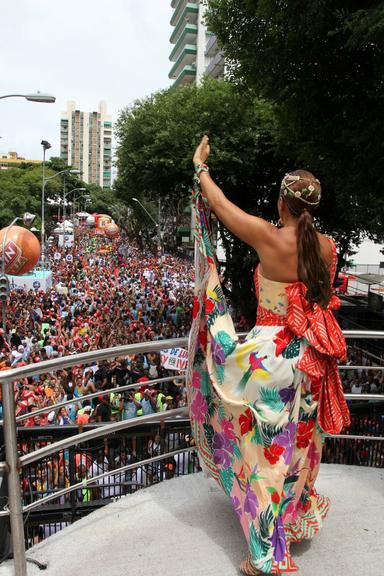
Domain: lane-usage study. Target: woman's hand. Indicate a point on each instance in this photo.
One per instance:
(202, 151)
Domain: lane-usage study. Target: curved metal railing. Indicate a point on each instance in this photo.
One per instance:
(14, 463)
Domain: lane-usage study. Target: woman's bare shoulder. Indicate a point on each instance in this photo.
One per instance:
(326, 247)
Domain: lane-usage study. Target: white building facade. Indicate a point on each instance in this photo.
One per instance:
(86, 143)
(195, 50)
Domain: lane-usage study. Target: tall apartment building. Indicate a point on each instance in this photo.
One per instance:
(195, 52)
(86, 143)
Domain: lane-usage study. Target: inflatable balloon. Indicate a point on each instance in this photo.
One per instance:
(90, 221)
(102, 220)
(112, 231)
(22, 250)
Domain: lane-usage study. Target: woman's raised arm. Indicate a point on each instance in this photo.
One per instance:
(251, 229)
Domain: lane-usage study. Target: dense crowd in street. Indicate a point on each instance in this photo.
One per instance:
(99, 299)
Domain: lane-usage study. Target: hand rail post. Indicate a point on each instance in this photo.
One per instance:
(14, 490)
(72, 480)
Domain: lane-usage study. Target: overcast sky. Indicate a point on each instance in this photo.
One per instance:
(82, 50)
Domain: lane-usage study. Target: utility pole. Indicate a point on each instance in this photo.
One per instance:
(46, 146)
(159, 239)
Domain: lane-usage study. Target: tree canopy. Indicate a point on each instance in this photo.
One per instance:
(20, 191)
(21, 187)
(157, 137)
(321, 63)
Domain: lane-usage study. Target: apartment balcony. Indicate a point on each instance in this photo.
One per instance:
(186, 76)
(212, 46)
(215, 68)
(187, 58)
(179, 9)
(188, 36)
(176, 3)
(189, 15)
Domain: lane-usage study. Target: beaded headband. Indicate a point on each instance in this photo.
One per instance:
(302, 194)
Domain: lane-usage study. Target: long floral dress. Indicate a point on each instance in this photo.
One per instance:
(259, 408)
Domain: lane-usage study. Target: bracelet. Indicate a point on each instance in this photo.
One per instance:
(200, 167)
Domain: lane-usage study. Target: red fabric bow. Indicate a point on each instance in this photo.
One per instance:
(327, 345)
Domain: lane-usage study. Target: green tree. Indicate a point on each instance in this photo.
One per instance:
(21, 187)
(157, 137)
(321, 64)
(20, 191)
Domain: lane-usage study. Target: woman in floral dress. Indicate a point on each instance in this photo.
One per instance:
(259, 408)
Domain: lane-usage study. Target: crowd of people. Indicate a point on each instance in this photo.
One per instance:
(99, 299)
(364, 379)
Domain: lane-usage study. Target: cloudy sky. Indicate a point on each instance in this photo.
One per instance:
(82, 50)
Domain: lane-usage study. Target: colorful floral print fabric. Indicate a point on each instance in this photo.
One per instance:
(254, 404)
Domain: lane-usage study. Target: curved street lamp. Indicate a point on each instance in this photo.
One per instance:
(157, 224)
(37, 97)
(146, 211)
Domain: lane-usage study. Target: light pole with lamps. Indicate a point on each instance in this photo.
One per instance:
(157, 224)
(46, 146)
(73, 217)
(87, 200)
(75, 171)
(74, 190)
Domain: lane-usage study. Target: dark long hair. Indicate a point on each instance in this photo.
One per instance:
(311, 268)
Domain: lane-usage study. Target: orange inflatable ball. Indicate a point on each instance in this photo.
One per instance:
(102, 220)
(112, 231)
(22, 250)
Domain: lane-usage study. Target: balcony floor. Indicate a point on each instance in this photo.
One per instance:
(186, 527)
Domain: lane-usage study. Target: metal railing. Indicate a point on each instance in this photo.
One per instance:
(14, 463)
(106, 392)
(105, 456)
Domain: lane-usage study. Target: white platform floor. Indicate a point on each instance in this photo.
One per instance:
(186, 527)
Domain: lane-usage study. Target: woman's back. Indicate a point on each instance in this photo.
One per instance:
(279, 257)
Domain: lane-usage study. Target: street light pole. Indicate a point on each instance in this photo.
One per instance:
(64, 192)
(73, 214)
(159, 239)
(46, 145)
(63, 210)
(146, 211)
(153, 220)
